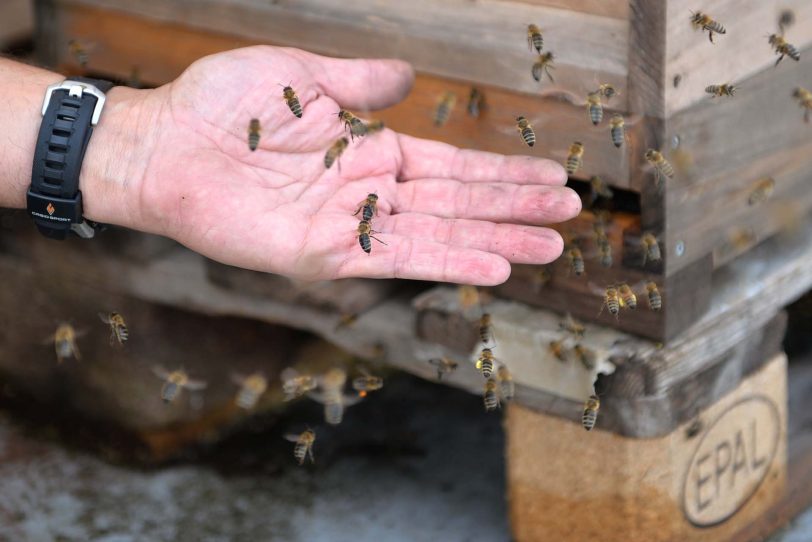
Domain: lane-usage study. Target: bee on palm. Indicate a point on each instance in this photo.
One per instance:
(175, 382)
(335, 151)
(352, 124)
(118, 327)
(253, 134)
(292, 101)
(374, 126)
(369, 206)
(365, 236)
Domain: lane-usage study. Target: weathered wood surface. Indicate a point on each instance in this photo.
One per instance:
(16, 21)
(478, 41)
(618, 9)
(687, 485)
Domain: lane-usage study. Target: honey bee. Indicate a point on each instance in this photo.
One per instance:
(607, 91)
(542, 66)
(346, 320)
(295, 385)
(534, 38)
(575, 159)
(486, 329)
(64, 340)
(251, 389)
(332, 396)
(304, 445)
(762, 191)
(506, 386)
(174, 382)
(655, 300)
(365, 235)
(79, 52)
(369, 206)
(486, 362)
(524, 127)
(576, 259)
(118, 327)
(717, 91)
(253, 134)
(660, 164)
(804, 98)
(353, 124)
(491, 395)
(627, 295)
(617, 130)
(704, 22)
(540, 279)
(590, 416)
(335, 152)
(651, 248)
(468, 296)
(573, 326)
(611, 301)
(594, 107)
(366, 383)
(444, 366)
(444, 108)
(604, 251)
(292, 100)
(557, 349)
(587, 357)
(476, 102)
(599, 189)
(374, 126)
(782, 48)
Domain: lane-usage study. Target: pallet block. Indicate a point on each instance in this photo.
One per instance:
(705, 480)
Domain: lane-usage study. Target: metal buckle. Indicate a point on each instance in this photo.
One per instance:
(83, 230)
(77, 89)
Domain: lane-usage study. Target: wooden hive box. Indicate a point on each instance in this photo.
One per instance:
(647, 49)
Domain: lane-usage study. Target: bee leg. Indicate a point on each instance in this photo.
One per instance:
(373, 237)
(710, 35)
(547, 71)
(310, 455)
(806, 116)
(780, 58)
(361, 206)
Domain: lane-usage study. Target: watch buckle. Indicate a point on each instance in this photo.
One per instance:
(77, 89)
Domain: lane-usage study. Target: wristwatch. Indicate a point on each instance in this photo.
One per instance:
(69, 112)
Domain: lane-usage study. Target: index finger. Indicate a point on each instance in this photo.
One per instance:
(423, 158)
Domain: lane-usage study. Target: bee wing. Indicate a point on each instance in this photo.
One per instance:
(364, 371)
(104, 317)
(288, 373)
(291, 437)
(195, 385)
(640, 287)
(317, 396)
(597, 290)
(237, 378)
(160, 372)
(349, 400)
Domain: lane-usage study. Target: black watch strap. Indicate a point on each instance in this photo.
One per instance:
(70, 111)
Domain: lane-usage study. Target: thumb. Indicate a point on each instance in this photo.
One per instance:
(365, 84)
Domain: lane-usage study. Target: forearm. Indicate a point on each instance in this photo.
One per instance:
(115, 159)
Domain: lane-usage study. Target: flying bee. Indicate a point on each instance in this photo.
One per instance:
(369, 206)
(468, 296)
(611, 300)
(627, 295)
(576, 259)
(762, 191)
(486, 362)
(365, 236)
(782, 48)
(79, 52)
(651, 248)
(575, 159)
(594, 107)
(598, 189)
(542, 66)
(335, 151)
(604, 250)
(366, 383)
(304, 445)
(534, 38)
(590, 416)
(64, 341)
(804, 98)
(662, 167)
(292, 101)
(607, 91)
(705, 22)
(346, 320)
(655, 300)
(332, 395)
(617, 130)
(374, 126)
(444, 366)
(524, 127)
(717, 91)
(558, 350)
(251, 389)
(486, 329)
(573, 326)
(295, 385)
(476, 102)
(506, 386)
(118, 327)
(540, 279)
(491, 395)
(253, 134)
(352, 124)
(444, 108)
(587, 357)
(174, 382)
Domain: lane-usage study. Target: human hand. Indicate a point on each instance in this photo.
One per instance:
(445, 214)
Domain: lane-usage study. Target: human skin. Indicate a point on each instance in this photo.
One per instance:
(175, 161)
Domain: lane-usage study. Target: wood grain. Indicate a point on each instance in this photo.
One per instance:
(16, 21)
(618, 9)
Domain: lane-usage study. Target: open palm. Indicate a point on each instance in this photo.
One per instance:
(445, 214)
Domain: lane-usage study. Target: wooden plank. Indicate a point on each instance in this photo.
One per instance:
(680, 486)
(735, 56)
(618, 9)
(162, 51)
(647, 24)
(16, 21)
(480, 41)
